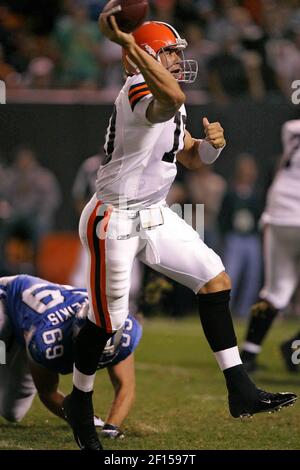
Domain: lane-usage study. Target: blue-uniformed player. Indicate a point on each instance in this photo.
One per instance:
(38, 323)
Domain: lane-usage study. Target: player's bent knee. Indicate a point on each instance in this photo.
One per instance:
(219, 283)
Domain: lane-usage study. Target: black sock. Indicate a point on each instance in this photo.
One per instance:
(216, 320)
(219, 331)
(82, 395)
(82, 405)
(238, 381)
(89, 345)
(262, 317)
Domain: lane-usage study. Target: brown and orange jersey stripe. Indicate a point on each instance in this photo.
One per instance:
(137, 92)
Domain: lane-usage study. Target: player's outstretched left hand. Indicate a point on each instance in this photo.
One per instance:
(214, 133)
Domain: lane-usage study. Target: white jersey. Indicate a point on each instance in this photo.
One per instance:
(140, 163)
(283, 200)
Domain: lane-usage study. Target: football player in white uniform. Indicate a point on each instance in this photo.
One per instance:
(128, 218)
(281, 219)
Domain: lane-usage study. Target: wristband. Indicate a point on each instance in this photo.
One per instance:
(207, 153)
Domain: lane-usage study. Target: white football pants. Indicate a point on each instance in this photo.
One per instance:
(282, 264)
(113, 238)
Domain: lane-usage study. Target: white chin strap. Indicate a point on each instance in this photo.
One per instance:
(137, 70)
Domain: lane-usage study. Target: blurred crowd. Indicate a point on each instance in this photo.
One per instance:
(30, 196)
(242, 46)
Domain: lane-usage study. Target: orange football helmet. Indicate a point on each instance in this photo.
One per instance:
(155, 37)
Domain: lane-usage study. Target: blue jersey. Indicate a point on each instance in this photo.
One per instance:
(50, 313)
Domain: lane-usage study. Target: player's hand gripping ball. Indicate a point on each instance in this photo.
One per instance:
(129, 14)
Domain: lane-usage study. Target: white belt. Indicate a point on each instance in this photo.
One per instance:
(149, 217)
(152, 217)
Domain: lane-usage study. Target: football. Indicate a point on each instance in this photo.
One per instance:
(130, 14)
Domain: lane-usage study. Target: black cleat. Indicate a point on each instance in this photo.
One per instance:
(287, 352)
(265, 402)
(80, 416)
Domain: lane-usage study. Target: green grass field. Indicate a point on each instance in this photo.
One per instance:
(181, 399)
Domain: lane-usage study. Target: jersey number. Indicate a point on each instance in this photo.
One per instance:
(180, 122)
(110, 138)
(126, 337)
(40, 302)
(37, 300)
(50, 337)
(295, 146)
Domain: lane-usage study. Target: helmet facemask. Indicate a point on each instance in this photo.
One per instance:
(188, 68)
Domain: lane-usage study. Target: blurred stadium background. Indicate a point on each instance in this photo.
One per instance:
(62, 78)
